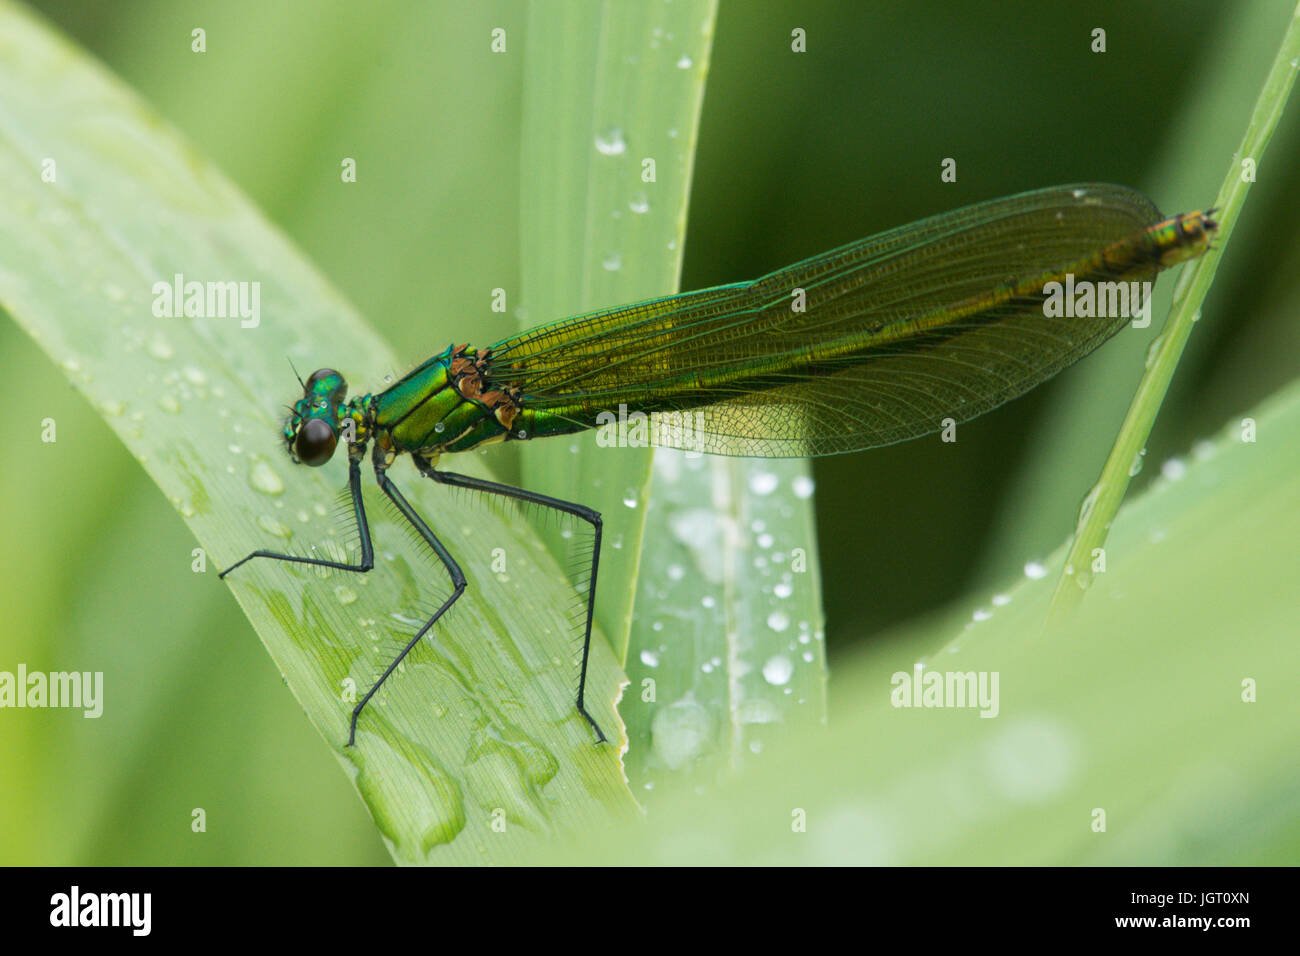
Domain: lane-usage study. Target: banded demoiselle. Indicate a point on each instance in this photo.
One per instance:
(872, 343)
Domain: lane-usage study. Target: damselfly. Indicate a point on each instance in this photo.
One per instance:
(875, 342)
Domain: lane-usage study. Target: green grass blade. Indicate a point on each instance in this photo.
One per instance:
(730, 656)
(1104, 501)
(478, 729)
(610, 88)
(723, 636)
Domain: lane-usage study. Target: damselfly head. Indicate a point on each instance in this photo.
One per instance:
(311, 432)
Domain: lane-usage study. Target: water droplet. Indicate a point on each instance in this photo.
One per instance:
(684, 62)
(1001, 600)
(264, 478)
(1153, 350)
(275, 527)
(160, 348)
(630, 498)
(1085, 508)
(981, 614)
(407, 621)
(1032, 760)
(778, 620)
(169, 404)
(675, 572)
(783, 589)
(194, 375)
(610, 142)
(1034, 570)
(1174, 469)
(763, 483)
(778, 670)
(650, 658)
(345, 594)
(639, 204)
(612, 262)
(1134, 467)
(803, 486)
(680, 732)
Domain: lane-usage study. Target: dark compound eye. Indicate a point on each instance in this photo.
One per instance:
(315, 442)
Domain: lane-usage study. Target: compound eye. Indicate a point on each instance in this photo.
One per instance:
(315, 443)
(317, 375)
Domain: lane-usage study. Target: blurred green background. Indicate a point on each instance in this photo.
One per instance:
(798, 153)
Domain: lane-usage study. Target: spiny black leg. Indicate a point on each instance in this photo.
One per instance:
(589, 515)
(363, 529)
(453, 569)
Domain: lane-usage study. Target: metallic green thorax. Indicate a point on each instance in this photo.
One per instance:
(440, 406)
(447, 404)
